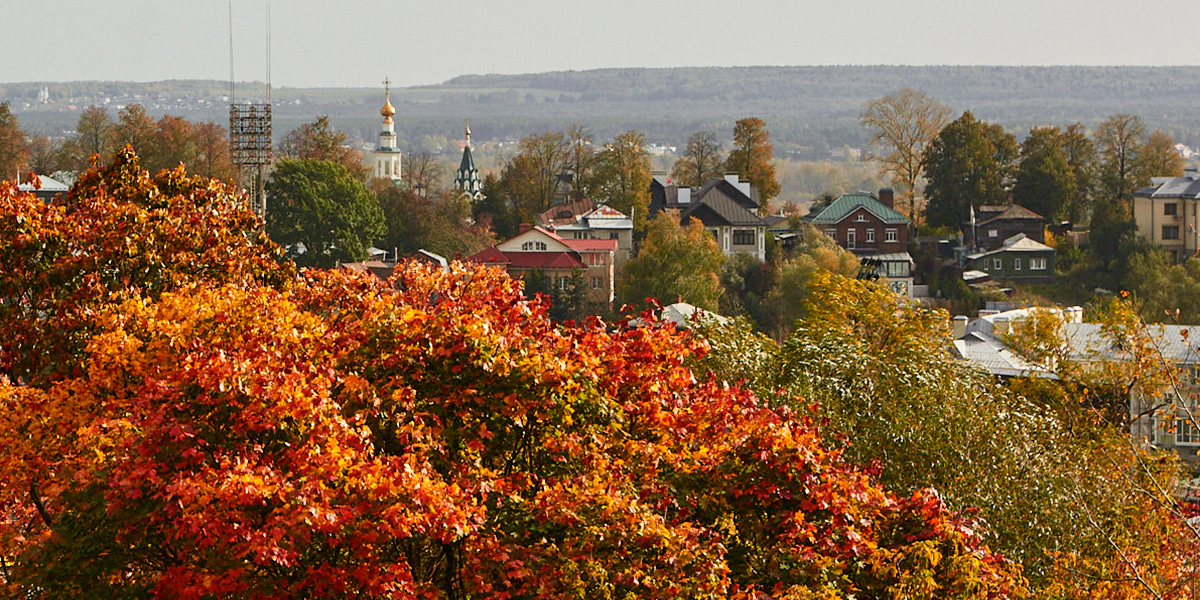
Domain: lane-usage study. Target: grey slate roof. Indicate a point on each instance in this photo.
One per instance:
(718, 209)
(1187, 186)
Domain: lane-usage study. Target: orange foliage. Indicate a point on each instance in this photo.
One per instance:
(432, 437)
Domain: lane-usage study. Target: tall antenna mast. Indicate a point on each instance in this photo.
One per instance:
(231, 51)
(268, 51)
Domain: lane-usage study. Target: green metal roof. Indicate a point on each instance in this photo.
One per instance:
(848, 203)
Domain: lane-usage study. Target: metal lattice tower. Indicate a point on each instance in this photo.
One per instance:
(250, 148)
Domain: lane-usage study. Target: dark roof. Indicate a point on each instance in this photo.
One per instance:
(718, 209)
(848, 203)
(727, 189)
(1012, 211)
(468, 162)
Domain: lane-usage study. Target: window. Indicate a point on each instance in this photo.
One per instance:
(582, 235)
(1171, 209)
(871, 235)
(889, 235)
(851, 238)
(562, 283)
(744, 237)
(612, 235)
(832, 233)
(993, 233)
(596, 283)
(861, 218)
(1170, 232)
(997, 264)
(1037, 264)
(533, 247)
(1186, 433)
(1016, 264)
(716, 233)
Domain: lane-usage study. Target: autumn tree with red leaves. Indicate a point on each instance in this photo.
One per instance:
(434, 436)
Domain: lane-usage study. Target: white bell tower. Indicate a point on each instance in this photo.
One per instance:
(387, 155)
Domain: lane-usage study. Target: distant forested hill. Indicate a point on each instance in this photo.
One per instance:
(807, 109)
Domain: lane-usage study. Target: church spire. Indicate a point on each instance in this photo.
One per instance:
(387, 155)
(467, 177)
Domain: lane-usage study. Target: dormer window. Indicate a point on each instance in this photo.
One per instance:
(533, 247)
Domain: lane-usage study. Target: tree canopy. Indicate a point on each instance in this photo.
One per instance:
(435, 436)
(1045, 181)
(321, 213)
(752, 157)
(969, 164)
(902, 125)
(674, 264)
(700, 161)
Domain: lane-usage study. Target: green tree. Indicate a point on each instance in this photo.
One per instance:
(902, 125)
(14, 152)
(1119, 140)
(320, 141)
(967, 165)
(788, 299)
(1081, 156)
(701, 160)
(1045, 181)
(674, 264)
(874, 369)
(440, 224)
(623, 177)
(531, 179)
(321, 213)
(582, 161)
(495, 210)
(753, 158)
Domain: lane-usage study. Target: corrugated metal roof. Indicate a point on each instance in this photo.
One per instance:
(1187, 186)
(1017, 243)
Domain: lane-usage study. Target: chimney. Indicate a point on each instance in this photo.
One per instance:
(959, 326)
(685, 195)
(736, 180)
(523, 228)
(887, 197)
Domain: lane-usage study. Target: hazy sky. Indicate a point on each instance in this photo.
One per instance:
(339, 43)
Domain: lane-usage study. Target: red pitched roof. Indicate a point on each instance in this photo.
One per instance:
(592, 245)
(490, 256)
(528, 260)
(543, 260)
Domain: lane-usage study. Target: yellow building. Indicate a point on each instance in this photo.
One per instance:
(1168, 213)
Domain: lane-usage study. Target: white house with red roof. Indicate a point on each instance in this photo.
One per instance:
(556, 258)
